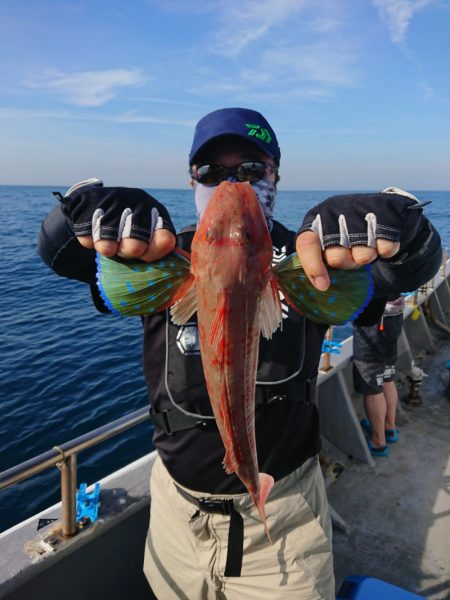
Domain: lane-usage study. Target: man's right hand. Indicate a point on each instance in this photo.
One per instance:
(126, 222)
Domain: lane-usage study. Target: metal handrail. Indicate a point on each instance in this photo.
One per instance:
(64, 457)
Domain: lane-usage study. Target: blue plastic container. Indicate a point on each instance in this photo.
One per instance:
(357, 587)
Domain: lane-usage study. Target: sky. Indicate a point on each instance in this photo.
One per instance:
(357, 91)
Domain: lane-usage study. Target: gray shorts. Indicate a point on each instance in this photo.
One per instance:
(375, 354)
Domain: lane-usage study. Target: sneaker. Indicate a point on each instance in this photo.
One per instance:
(391, 434)
(377, 450)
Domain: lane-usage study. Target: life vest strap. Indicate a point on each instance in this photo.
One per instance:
(171, 421)
(304, 391)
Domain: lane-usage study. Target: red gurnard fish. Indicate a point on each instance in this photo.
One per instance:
(237, 298)
(229, 281)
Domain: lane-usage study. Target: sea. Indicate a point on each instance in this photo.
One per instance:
(66, 369)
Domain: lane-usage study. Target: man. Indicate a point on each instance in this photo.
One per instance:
(374, 358)
(206, 539)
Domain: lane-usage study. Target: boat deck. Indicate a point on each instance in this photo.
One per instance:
(398, 512)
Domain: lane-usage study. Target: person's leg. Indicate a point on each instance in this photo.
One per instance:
(185, 559)
(393, 329)
(299, 562)
(173, 561)
(375, 407)
(368, 370)
(391, 396)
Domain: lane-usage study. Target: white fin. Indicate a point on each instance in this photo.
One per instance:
(228, 462)
(271, 315)
(185, 307)
(216, 338)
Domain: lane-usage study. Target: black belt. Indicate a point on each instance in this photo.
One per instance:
(233, 565)
(304, 391)
(171, 421)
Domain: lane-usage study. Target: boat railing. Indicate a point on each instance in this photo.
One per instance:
(64, 457)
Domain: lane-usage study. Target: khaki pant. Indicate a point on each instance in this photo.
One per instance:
(186, 550)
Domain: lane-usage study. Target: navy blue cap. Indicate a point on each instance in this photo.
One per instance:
(243, 122)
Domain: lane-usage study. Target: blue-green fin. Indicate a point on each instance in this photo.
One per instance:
(347, 296)
(134, 287)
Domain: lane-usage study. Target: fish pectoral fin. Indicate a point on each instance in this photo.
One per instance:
(134, 287)
(186, 306)
(348, 294)
(271, 315)
(216, 336)
(228, 463)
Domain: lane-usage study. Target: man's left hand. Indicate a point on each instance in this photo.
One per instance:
(349, 231)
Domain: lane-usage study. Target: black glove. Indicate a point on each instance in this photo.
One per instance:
(361, 219)
(113, 213)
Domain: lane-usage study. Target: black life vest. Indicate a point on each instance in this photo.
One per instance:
(182, 397)
(286, 419)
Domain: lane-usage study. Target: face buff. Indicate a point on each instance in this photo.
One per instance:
(264, 190)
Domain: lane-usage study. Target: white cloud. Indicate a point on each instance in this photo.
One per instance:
(427, 91)
(277, 49)
(88, 88)
(248, 21)
(133, 117)
(166, 101)
(129, 117)
(19, 114)
(301, 46)
(399, 14)
(324, 62)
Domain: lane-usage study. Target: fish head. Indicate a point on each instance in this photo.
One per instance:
(232, 237)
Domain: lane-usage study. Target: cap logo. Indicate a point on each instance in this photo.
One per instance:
(259, 132)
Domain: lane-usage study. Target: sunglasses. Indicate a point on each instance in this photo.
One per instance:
(246, 171)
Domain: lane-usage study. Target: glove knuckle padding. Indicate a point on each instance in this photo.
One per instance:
(360, 219)
(114, 213)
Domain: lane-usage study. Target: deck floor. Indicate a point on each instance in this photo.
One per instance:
(398, 514)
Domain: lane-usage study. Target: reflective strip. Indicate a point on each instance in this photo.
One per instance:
(96, 224)
(125, 224)
(371, 230)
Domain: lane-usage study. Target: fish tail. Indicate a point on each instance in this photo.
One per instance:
(266, 483)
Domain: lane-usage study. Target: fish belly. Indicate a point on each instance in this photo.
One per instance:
(230, 373)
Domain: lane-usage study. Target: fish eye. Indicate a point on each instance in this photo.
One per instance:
(240, 234)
